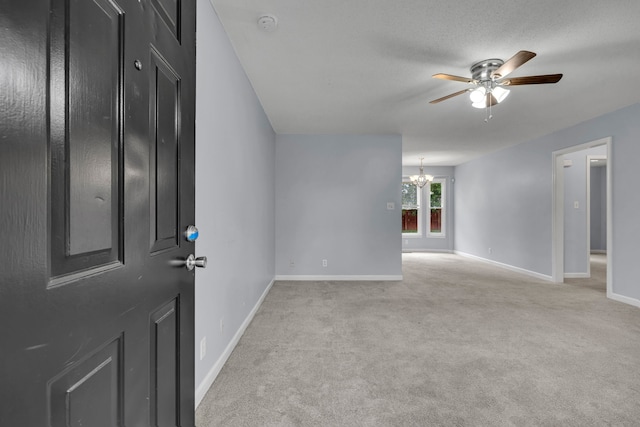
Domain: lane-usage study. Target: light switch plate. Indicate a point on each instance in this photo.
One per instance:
(391, 206)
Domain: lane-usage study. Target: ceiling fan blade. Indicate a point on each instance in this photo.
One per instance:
(514, 62)
(444, 98)
(454, 78)
(532, 80)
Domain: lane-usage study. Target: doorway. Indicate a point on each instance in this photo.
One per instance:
(597, 204)
(558, 206)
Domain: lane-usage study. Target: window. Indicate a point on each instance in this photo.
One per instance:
(410, 209)
(437, 208)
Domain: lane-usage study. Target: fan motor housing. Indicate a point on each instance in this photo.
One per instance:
(482, 70)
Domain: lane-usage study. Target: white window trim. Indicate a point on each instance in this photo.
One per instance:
(443, 207)
(417, 235)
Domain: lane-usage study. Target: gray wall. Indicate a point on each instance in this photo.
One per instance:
(576, 249)
(514, 216)
(598, 208)
(503, 207)
(331, 203)
(425, 242)
(235, 192)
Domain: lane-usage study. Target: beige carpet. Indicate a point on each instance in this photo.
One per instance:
(456, 343)
(598, 279)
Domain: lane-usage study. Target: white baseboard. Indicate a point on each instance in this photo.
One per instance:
(506, 266)
(440, 251)
(340, 278)
(622, 298)
(576, 275)
(211, 376)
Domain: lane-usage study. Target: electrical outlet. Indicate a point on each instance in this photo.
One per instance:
(203, 347)
(292, 264)
(324, 262)
(222, 325)
(490, 250)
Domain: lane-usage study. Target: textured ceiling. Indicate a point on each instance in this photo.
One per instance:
(365, 66)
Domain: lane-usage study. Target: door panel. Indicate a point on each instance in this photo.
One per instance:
(164, 108)
(164, 365)
(85, 136)
(169, 11)
(96, 311)
(93, 125)
(90, 392)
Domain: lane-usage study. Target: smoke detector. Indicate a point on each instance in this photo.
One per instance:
(268, 23)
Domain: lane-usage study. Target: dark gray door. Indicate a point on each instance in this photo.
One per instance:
(97, 168)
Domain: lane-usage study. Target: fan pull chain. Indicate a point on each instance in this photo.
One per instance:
(487, 109)
(487, 103)
(490, 105)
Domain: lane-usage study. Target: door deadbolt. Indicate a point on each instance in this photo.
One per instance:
(192, 233)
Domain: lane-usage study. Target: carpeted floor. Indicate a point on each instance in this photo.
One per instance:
(456, 343)
(598, 279)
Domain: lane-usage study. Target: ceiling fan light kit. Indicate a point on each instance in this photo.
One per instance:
(489, 79)
(500, 93)
(478, 95)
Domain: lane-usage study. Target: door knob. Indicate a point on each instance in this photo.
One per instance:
(191, 262)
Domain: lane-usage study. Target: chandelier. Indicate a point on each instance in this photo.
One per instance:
(422, 179)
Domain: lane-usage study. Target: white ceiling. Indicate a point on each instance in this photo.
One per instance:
(365, 66)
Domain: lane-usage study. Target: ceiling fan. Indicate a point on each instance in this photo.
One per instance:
(489, 79)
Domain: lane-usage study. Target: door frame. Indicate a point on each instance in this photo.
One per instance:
(557, 251)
